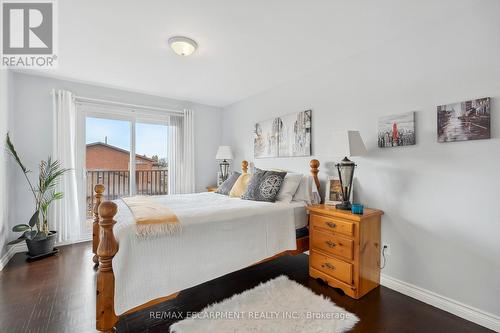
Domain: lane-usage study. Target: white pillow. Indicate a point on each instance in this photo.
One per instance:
(289, 187)
(307, 191)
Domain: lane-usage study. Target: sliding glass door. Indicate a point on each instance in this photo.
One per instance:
(107, 158)
(151, 166)
(125, 153)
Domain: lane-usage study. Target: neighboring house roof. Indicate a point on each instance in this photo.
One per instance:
(120, 150)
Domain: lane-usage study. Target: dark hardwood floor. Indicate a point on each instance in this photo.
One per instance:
(57, 294)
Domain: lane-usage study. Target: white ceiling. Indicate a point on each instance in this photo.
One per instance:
(245, 47)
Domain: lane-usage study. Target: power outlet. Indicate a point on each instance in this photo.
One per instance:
(387, 248)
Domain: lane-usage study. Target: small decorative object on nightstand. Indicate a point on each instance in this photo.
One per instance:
(345, 248)
(211, 188)
(357, 208)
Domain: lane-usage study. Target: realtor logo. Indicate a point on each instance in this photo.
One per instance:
(28, 34)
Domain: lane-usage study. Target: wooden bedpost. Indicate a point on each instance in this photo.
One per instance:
(108, 247)
(244, 166)
(99, 190)
(314, 164)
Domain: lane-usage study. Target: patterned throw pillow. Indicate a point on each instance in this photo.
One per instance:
(227, 185)
(264, 185)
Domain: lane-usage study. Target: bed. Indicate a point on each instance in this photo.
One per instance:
(213, 226)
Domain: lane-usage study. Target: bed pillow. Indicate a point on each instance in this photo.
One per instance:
(290, 185)
(240, 186)
(264, 185)
(307, 191)
(227, 185)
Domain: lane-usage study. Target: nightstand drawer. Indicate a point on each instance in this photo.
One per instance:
(331, 266)
(339, 246)
(333, 224)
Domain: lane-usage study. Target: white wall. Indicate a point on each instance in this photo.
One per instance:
(442, 212)
(31, 129)
(4, 124)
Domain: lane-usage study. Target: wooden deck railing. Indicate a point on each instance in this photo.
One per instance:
(117, 184)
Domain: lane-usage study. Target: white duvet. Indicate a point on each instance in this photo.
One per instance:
(219, 235)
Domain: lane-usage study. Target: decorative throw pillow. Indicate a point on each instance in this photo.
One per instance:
(227, 185)
(289, 187)
(264, 185)
(307, 191)
(240, 187)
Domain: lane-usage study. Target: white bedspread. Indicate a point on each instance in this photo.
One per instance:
(219, 235)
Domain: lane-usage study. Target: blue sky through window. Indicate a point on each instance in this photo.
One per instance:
(151, 139)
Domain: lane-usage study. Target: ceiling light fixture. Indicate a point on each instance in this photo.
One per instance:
(182, 46)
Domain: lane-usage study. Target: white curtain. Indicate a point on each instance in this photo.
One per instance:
(188, 176)
(65, 213)
(181, 173)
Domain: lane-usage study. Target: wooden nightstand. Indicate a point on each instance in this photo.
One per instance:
(345, 248)
(212, 188)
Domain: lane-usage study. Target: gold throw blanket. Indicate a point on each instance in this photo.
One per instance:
(152, 218)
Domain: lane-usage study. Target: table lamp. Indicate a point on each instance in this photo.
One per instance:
(347, 143)
(224, 153)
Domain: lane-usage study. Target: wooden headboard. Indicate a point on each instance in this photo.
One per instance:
(313, 164)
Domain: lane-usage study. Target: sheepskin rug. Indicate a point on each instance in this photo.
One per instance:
(278, 305)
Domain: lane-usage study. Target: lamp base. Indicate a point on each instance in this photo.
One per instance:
(224, 170)
(346, 205)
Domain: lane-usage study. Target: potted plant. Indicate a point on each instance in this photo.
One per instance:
(39, 239)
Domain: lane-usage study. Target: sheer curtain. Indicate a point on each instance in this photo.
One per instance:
(181, 175)
(65, 213)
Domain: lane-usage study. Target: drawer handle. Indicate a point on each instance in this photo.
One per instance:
(331, 224)
(328, 265)
(330, 243)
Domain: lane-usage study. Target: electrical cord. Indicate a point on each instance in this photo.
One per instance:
(383, 256)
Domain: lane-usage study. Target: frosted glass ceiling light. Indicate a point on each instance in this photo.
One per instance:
(182, 46)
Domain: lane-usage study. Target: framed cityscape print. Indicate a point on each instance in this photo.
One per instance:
(396, 130)
(469, 120)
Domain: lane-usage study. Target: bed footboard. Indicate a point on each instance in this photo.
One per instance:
(105, 248)
(108, 247)
(99, 190)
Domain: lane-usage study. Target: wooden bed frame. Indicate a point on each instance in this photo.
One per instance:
(105, 247)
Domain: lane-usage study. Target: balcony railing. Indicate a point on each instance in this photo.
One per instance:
(117, 184)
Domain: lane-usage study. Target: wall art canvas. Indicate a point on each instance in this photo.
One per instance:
(266, 139)
(396, 130)
(469, 120)
(285, 136)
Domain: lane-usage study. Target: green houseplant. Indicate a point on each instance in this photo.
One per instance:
(39, 239)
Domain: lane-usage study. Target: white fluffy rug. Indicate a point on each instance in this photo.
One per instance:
(279, 305)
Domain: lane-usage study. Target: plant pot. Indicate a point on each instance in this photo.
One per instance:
(41, 246)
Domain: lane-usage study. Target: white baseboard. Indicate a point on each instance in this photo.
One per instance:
(82, 240)
(12, 249)
(21, 247)
(459, 309)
